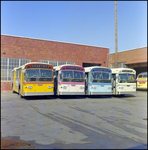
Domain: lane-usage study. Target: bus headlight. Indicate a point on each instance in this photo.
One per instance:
(95, 87)
(121, 87)
(64, 87)
(134, 87)
(29, 87)
(109, 88)
(49, 87)
(81, 87)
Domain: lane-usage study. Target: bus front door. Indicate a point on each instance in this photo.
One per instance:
(114, 83)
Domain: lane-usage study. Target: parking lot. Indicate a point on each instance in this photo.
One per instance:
(97, 122)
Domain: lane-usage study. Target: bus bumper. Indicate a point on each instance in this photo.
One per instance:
(38, 93)
(100, 93)
(126, 92)
(71, 93)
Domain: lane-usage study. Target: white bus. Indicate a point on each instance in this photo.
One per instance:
(123, 81)
(69, 80)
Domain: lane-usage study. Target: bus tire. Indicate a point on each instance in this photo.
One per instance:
(20, 93)
(12, 88)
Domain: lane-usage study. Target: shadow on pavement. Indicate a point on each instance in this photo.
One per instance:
(51, 97)
(99, 96)
(124, 95)
(71, 96)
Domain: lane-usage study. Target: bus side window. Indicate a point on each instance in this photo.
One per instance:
(113, 80)
(16, 74)
(145, 76)
(56, 74)
(140, 76)
(114, 76)
(19, 73)
(86, 77)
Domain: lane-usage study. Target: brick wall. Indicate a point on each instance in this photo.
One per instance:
(36, 49)
(136, 55)
(5, 86)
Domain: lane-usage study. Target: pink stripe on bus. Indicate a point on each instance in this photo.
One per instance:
(76, 83)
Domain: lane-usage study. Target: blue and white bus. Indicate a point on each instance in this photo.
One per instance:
(98, 81)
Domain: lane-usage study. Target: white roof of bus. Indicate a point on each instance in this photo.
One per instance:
(88, 69)
(142, 73)
(116, 70)
(59, 67)
(23, 66)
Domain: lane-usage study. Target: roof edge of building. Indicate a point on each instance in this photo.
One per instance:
(130, 49)
(55, 41)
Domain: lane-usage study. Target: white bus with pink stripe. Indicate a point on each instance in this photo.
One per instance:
(69, 80)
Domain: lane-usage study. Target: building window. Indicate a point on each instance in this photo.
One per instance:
(8, 64)
(56, 63)
(122, 65)
(113, 65)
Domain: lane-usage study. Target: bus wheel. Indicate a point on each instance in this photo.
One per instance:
(20, 93)
(12, 88)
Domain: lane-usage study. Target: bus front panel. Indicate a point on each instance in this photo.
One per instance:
(142, 83)
(100, 89)
(38, 89)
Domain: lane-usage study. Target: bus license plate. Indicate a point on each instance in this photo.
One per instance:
(40, 84)
(142, 82)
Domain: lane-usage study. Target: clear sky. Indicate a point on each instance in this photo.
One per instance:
(80, 22)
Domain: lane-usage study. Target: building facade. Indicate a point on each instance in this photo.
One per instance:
(135, 59)
(16, 51)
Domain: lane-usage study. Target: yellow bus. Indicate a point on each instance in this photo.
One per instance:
(33, 79)
(142, 80)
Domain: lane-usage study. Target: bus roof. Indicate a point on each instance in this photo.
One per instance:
(23, 66)
(88, 69)
(60, 66)
(117, 70)
(142, 73)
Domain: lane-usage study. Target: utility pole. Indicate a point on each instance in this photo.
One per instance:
(116, 48)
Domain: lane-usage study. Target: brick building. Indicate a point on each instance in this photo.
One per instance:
(16, 51)
(135, 59)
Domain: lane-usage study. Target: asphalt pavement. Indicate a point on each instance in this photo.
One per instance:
(75, 122)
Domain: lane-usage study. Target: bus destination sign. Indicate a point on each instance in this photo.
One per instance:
(73, 68)
(127, 70)
(106, 70)
(39, 66)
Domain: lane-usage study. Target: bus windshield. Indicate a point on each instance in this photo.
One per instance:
(100, 77)
(72, 76)
(38, 75)
(145, 76)
(127, 78)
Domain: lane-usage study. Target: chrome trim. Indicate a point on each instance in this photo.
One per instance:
(38, 93)
(126, 92)
(100, 93)
(138, 88)
(71, 93)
